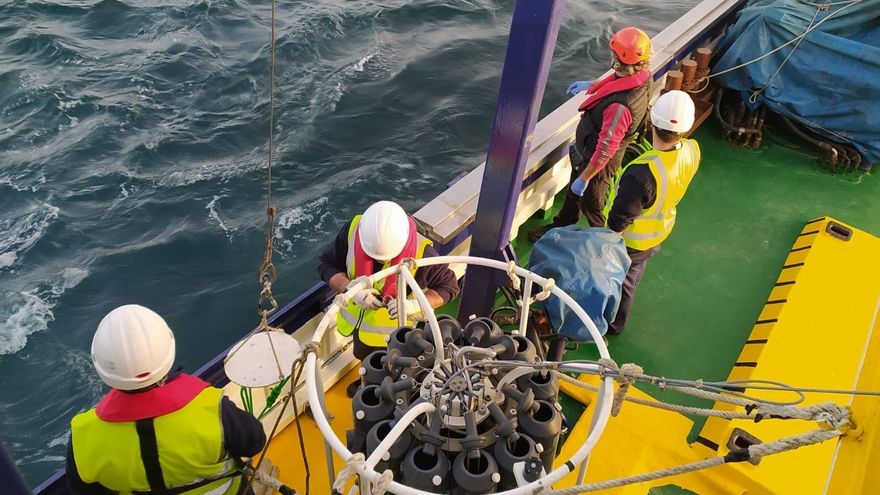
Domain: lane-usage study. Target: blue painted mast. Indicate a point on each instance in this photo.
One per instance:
(530, 47)
(11, 481)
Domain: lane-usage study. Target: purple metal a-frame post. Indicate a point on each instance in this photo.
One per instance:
(530, 46)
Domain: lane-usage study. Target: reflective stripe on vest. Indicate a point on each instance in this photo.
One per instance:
(189, 443)
(376, 324)
(672, 171)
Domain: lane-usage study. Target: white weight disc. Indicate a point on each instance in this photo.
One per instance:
(252, 363)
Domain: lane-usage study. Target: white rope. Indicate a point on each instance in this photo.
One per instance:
(352, 467)
(266, 479)
(548, 289)
(383, 482)
(626, 375)
(754, 452)
(511, 273)
(827, 412)
(694, 411)
(705, 394)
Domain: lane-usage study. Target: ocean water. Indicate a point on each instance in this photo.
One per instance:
(133, 142)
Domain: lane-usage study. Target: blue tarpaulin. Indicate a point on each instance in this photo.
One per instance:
(590, 266)
(830, 83)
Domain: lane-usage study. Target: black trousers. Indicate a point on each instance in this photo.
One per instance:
(592, 203)
(630, 284)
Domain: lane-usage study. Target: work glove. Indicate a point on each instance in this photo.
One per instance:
(579, 186)
(365, 298)
(413, 310)
(578, 86)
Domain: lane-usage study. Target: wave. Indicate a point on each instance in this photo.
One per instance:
(31, 310)
(302, 214)
(34, 43)
(18, 235)
(212, 213)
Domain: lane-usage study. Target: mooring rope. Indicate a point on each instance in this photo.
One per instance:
(754, 452)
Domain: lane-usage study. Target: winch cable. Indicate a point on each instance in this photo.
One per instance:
(267, 275)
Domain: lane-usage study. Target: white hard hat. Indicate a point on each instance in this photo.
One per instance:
(384, 230)
(673, 111)
(133, 348)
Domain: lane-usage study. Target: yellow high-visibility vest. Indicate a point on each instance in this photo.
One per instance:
(673, 171)
(376, 324)
(189, 443)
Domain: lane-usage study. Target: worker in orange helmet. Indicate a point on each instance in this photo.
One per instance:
(613, 113)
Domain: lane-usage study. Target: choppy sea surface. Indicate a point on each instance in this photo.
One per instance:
(133, 142)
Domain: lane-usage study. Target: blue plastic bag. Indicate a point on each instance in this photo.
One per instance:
(590, 265)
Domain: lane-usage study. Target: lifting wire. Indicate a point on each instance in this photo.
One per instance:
(266, 305)
(268, 275)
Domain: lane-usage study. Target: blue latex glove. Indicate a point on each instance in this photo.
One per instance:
(578, 86)
(579, 186)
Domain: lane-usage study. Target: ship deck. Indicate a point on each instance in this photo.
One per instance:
(702, 293)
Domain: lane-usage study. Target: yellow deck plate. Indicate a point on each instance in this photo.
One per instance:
(284, 451)
(816, 331)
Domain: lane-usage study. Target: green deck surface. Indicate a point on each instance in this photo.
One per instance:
(702, 292)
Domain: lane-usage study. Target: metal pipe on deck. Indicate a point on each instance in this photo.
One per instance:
(673, 80)
(533, 31)
(689, 73)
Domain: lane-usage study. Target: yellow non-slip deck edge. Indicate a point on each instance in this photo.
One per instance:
(815, 330)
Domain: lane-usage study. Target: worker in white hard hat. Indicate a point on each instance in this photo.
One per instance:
(381, 237)
(156, 432)
(642, 200)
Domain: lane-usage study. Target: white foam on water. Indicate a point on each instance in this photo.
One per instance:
(19, 234)
(295, 216)
(6, 181)
(327, 95)
(31, 310)
(7, 259)
(217, 170)
(32, 314)
(62, 439)
(212, 213)
(359, 65)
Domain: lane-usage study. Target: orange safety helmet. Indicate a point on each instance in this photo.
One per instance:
(632, 45)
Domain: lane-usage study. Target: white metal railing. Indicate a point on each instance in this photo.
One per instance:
(366, 469)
